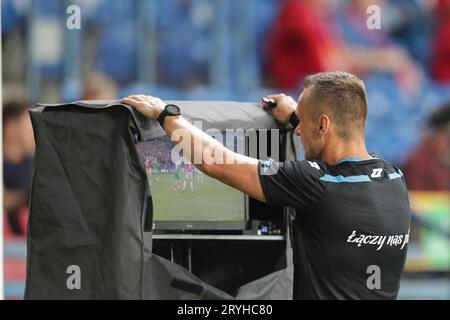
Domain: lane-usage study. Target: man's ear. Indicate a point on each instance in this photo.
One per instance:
(324, 124)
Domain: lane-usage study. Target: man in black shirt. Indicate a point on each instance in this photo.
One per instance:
(352, 223)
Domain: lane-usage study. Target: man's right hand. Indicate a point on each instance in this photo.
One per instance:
(285, 106)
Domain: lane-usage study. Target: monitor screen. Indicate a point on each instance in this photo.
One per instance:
(184, 198)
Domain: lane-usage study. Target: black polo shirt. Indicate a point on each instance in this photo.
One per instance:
(351, 229)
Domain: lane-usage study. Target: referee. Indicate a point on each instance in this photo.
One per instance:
(352, 212)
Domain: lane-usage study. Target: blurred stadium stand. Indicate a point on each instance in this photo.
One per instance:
(200, 50)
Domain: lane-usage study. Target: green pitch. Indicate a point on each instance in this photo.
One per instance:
(210, 201)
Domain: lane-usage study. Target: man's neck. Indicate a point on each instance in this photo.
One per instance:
(339, 150)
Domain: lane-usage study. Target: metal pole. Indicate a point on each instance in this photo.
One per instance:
(247, 68)
(219, 66)
(72, 54)
(147, 41)
(33, 72)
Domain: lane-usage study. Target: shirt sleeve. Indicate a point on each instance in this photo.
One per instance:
(293, 183)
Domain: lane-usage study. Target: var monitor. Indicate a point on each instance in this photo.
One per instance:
(184, 198)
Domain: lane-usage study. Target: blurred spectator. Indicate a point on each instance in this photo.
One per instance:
(18, 151)
(98, 86)
(441, 52)
(428, 167)
(305, 39)
(301, 41)
(411, 24)
(368, 44)
(183, 47)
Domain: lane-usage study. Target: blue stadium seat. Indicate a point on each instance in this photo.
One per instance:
(117, 53)
(50, 8)
(10, 16)
(433, 96)
(115, 12)
(165, 93)
(185, 46)
(117, 46)
(45, 11)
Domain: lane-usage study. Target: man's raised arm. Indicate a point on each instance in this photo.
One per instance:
(213, 158)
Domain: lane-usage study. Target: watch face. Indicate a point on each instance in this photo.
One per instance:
(172, 109)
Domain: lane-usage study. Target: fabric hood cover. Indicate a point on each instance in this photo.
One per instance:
(91, 206)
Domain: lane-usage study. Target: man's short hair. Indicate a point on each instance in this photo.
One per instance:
(341, 96)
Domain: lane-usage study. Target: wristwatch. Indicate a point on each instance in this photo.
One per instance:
(170, 110)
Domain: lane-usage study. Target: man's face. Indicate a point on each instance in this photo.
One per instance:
(308, 130)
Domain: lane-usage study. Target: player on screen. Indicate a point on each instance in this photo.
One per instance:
(148, 169)
(199, 175)
(188, 176)
(155, 169)
(177, 177)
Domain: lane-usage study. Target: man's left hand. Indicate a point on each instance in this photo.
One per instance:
(149, 106)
